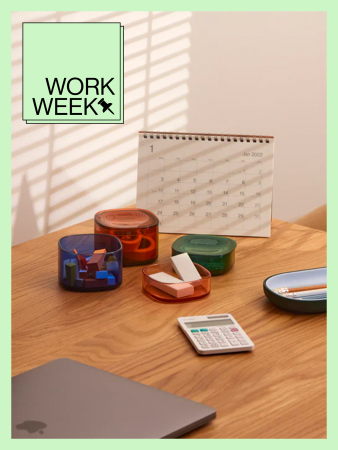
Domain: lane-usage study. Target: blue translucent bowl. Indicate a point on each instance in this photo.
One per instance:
(90, 262)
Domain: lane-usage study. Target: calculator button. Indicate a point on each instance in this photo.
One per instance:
(234, 343)
(224, 344)
(244, 342)
(234, 329)
(204, 330)
(194, 331)
(214, 345)
(205, 346)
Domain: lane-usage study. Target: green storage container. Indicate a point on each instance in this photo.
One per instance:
(215, 253)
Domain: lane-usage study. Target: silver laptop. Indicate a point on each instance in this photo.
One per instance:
(66, 399)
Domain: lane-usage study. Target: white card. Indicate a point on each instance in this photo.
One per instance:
(184, 267)
(163, 277)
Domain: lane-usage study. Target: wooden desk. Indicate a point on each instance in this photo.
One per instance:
(277, 391)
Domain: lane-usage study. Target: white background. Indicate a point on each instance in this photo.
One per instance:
(253, 73)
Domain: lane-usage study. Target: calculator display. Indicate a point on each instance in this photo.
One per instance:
(209, 323)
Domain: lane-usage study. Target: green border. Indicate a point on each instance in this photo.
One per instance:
(75, 5)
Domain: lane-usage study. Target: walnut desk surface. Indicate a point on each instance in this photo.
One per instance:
(277, 391)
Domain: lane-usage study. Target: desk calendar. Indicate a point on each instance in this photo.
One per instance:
(207, 183)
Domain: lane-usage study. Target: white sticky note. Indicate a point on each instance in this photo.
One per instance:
(163, 277)
(184, 267)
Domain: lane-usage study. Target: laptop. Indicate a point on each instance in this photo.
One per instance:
(69, 400)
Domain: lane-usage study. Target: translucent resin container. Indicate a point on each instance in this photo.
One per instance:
(90, 262)
(169, 292)
(215, 253)
(137, 230)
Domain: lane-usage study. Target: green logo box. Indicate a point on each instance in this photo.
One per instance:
(73, 72)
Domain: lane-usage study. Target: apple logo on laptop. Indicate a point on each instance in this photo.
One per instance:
(32, 426)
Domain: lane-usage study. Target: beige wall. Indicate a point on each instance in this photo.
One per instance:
(255, 73)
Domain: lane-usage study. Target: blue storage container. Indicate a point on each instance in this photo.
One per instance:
(90, 262)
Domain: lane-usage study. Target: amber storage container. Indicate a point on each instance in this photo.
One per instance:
(137, 230)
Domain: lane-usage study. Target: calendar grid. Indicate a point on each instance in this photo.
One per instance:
(221, 190)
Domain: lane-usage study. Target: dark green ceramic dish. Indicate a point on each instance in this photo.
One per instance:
(295, 279)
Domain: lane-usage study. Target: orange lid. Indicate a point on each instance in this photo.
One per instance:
(129, 218)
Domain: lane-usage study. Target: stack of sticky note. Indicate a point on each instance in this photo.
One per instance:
(91, 272)
(177, 287)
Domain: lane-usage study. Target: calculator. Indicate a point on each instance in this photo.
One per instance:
(219, 333)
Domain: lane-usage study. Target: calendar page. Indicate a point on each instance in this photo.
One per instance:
(207, 184)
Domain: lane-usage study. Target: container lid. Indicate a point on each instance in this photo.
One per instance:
(126, 218)
(204, 244)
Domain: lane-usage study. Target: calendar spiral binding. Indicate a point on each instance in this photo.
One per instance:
(206, 136)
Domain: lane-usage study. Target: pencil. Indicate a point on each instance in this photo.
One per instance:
(320, 293)
(284, 290)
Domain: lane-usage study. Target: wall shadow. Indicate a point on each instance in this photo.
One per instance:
(63, 173)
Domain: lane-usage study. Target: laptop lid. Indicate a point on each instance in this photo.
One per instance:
(66, 399)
